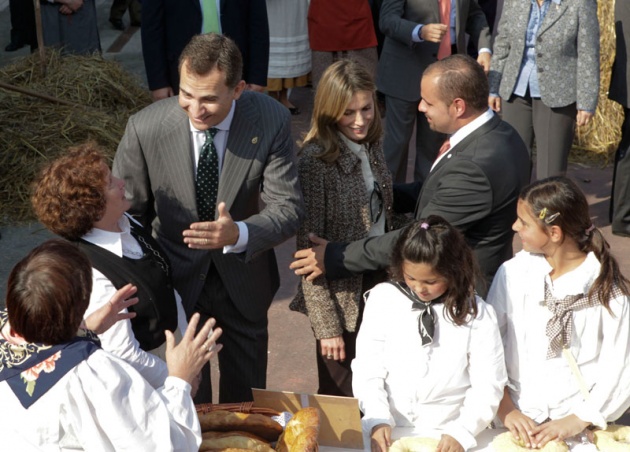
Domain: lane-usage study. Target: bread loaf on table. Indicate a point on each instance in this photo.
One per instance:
(300, 434)
(226, 421)
(232, 441)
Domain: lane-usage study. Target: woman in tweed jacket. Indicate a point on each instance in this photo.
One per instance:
(544, 74)
(348, 195)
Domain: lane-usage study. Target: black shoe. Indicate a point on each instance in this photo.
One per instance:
(13, 46)
(117, 24)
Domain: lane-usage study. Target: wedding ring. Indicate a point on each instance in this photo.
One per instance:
(330, 356)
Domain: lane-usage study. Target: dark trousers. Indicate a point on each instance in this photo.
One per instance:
(620, 195)
(119, 7)
(23, 22)
(399, 121)
(243, 359)
(553, 129)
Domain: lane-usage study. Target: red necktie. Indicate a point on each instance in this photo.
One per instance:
(445, 18)
(444, 148)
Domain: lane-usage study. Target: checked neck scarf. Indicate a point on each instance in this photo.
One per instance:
(32, 369)
(426, 319)
(560, 325)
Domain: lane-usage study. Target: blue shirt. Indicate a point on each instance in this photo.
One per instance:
(528, 76)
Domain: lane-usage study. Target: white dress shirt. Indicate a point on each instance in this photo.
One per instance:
(198, 138)
(546, 388)
(463, 132)
(104, 405)
(119, 340)
(452, 386)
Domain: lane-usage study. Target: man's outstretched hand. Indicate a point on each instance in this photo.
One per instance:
(310, 262)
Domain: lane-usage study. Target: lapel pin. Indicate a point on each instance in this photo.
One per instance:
(254, 140)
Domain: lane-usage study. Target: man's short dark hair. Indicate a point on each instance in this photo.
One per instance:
(209, 51)
(462, 77)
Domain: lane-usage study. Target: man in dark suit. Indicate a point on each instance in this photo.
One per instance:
(413, 33)
(620, 92)
(474, 184)
(168, 25)
(220, 242)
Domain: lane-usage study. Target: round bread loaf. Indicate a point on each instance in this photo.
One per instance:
(616, 438)
(505, 442)
(414, 444)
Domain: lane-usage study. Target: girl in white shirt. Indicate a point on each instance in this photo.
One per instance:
(561, 298)
(429, 354)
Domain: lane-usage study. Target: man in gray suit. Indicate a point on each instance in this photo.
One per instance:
(224, 268)
(413, 33)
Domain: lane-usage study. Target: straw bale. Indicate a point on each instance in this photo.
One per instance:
(35, 131)
(596, 143)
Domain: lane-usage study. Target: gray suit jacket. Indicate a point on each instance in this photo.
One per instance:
(155, 158)
(567, 52)
(402, 61)
(620, 78)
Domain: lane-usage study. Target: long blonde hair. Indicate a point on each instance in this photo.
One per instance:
(335, 90)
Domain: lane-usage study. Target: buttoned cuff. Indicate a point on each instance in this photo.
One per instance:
(241, 244)
(588, 413)
(485, 50)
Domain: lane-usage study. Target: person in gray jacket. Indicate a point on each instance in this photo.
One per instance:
(544, 74)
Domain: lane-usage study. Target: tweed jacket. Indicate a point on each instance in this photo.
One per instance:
(338, 209)
(567, 52)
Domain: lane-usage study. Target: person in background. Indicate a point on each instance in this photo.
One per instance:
(71, 25)
(60, 390)
(118, 9)
(348, 196)
(416, 35)
(562, 306)
(289, 52)
(619, 91)
(429, 353)
(544, 75)
(22, 25)
(76, 197)
(168, 26)
(340, 30)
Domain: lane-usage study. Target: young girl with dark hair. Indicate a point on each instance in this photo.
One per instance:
(561, 302)
(429, 354)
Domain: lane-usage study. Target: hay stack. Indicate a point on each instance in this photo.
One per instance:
(597, 142)
(35, 131)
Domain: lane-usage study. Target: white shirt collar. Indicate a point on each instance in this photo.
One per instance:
(223, 126)
(109, 240)
(464, 131)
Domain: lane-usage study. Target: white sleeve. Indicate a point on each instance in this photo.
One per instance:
(119, 340)
(368, 369)
(610, 395)
(182, 322)
(486, 369)
(111, 407)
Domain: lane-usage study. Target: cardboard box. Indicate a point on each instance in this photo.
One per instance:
(340, 418)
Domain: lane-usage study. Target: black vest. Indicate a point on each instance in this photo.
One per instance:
(156, 309)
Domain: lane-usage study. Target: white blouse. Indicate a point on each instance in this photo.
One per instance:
(546, 388)
(452, 386)
(119, 340)
(104, 405)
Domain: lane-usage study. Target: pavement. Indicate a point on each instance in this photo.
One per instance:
(291, 344)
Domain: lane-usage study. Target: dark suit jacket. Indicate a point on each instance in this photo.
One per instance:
(403, 61)
(168, 25)
(475, 187)
(155, 158)
(620, 78)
